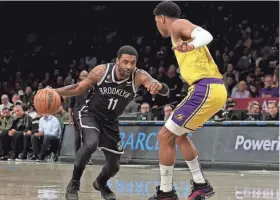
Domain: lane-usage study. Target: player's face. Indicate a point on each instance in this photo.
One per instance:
(126, 65)
(161, 25)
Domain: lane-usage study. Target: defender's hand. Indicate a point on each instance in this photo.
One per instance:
(183, 47)
(153, 87)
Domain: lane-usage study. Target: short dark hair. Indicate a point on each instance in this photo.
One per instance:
(5, 108)
(127, 50)
(168, 8)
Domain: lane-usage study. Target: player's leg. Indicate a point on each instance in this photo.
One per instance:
(77, 130)
(190, 114)
(109, 170)
(110, 144)
(90, 137)
(167, 156)
(205, 108)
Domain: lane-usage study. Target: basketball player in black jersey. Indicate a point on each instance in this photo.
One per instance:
(113, 86)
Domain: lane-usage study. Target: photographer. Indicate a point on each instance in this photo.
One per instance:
(230, 113)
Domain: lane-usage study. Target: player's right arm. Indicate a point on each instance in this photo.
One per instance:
(79, 88)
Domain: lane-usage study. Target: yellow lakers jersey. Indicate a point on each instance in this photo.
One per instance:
(196, 65)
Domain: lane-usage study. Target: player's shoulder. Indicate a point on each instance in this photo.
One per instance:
(180, 23)
(139, 72)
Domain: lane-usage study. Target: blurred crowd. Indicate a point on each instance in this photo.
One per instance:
(51, 50)
(43, 49)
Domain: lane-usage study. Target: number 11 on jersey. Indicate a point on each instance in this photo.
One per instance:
(112, 104)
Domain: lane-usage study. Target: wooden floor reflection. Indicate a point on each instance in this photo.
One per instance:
(46, 181)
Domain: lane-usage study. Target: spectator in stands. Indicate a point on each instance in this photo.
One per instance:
(258, 74)
(250, 79)
(59, 82)
(31, 111)
(174, 82)
(6, 125)
(62, 115)
(230, 71)
(21, 125)
(5, 103)
(254, 112)
(48, 135)
(15, 99)
(167, 110)
(269, 90)
(19, 89)
(132, 107)
(145, 113)
(241, 91)
(272, 112)
(276, 78)
(230, 83)
(28, 96)
(254, 90)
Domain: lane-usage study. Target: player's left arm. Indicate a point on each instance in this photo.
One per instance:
(152, 85)
(182, 28)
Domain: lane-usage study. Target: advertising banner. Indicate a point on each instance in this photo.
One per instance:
(242, 104)
(236, 144)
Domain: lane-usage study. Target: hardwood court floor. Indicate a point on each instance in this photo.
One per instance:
(47, 181)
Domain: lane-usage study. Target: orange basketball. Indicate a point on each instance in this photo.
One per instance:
(47, 101)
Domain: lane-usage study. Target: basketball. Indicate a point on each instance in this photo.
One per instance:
(47, 101)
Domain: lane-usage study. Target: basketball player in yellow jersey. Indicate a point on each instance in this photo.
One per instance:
(206, 96)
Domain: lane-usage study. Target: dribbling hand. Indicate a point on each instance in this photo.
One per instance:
(153, 87)
(183, 47)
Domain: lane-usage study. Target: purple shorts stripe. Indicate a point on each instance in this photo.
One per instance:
(185, 99)
(190, 106)
(199, 107)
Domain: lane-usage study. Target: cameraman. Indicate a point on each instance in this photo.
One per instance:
(229, 114)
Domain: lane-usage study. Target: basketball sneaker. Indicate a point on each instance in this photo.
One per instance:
(72, 190)
(160, 195)
(105, 191)
(201, 191)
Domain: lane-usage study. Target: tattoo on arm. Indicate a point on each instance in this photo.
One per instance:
(79, 88)
(142, 78)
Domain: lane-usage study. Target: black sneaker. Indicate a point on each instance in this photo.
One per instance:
(164, 195)
(201, 191)
(4, 158)
(105, 191)
(12, 157)
(21, 157)
(33, 157)
(72, 190)
(40, 158)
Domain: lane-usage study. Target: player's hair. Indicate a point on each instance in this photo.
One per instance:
(167, 8)
(127, 50)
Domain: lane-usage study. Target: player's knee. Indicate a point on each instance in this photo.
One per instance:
(165, 136)
(181, 139)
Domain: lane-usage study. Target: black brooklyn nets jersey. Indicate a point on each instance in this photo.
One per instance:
(110, 97)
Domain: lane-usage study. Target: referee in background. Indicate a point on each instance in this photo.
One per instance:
(75, 105)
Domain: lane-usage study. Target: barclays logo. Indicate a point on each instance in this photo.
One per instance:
(145, 141)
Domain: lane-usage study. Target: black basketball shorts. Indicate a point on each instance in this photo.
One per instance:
(109, 134)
